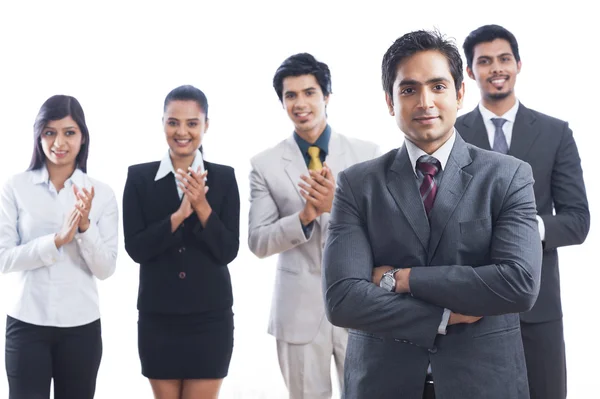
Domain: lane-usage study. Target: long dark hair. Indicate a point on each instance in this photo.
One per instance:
(56, 108)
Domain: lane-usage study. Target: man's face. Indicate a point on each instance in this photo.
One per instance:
(495, 69)
(425, 101)
(305, 104)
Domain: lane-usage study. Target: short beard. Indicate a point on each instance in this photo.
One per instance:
(498, 96)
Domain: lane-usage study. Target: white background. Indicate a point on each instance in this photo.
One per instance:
(121, 58)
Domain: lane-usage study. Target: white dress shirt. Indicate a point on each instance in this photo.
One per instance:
(55, 287)
(442, 154)
(507, 128)
(166, 167)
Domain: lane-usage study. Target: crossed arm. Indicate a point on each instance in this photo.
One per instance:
(509, 284)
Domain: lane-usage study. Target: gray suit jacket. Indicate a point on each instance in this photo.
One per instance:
(274, 228)
(479, 254)
(547, 145)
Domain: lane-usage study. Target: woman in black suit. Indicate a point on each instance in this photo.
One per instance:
(183, 235)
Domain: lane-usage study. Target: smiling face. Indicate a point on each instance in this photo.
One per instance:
(61, 141)
(425, 101)
(306, 105)
(495, 70)
(185, 124)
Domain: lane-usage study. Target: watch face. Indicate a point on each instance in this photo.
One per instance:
(388, 282)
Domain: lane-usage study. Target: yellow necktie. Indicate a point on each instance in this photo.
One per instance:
(315, 160)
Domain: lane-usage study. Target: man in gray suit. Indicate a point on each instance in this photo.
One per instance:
(500, 122)
(292, 187)
(452, 228)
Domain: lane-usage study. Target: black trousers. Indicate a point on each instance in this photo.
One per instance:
(37, 354)
(544, 347)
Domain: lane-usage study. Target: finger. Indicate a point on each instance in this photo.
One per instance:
(199, 177)
(313, 193)
(75, 189)
(191, 176)
(323, 191)
(308, 198)
(93, 192)
(89, 195)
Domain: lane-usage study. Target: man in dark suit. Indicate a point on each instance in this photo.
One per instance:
(448, 234)
(501, 123)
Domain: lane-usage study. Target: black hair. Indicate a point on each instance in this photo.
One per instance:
(302, 64)
(56, 108)
(489, 33)
(412, 43)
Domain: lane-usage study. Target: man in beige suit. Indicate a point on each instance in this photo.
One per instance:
(292, 187)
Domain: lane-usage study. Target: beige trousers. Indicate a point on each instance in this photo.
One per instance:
(306, 368)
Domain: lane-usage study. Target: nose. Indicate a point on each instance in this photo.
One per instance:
(59, 140)
(426, 99)
(496, 67)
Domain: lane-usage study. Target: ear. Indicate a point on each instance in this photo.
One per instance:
(206, 124)
(470, 73)
(390, 104)
(518, 66)
(326, 98)
(460, 95)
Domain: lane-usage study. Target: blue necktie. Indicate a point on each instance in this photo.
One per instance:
(500, 144)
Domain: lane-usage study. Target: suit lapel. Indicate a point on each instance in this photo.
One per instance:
(166, 191)
(524, 133)
(401, 183)
(336, 162)
(452, 187)
(474, 130)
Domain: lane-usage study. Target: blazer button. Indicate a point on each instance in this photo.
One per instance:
(433, 350)
(182, 275)
(182, 249)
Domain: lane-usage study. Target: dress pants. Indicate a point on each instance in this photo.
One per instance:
(306, 368)
(544, 347)
(37, 354)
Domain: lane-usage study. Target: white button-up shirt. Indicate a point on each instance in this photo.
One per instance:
(55, 287)
(166, 167)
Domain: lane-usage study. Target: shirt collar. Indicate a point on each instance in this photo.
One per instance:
(41, 175)
(166, 166)
(322, 142)
(510, 115)
(442, 154)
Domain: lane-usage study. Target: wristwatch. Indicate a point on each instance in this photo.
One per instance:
(388, 282)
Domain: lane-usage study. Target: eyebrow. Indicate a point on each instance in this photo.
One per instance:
(412, 82)
(191, 119)
(500, 55)
(307, 89)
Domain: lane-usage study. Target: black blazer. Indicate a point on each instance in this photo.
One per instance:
(185, 271)
(547, 144)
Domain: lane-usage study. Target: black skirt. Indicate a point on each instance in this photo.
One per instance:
(190, 346)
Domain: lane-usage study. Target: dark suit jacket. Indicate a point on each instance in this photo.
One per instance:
(202, 254)
(478, 254)
(547, 144)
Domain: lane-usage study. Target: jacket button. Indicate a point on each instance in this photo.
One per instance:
(182, 275)
(433, 350)
(182, 249)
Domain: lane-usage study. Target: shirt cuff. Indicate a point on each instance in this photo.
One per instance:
(87, 238)
(47, 250)
(444, 323)
(308, 229)
(541, 227)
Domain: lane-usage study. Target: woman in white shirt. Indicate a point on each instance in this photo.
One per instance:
(58, 233)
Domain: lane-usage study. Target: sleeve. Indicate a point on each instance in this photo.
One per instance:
(268, 233)
(144, 241)
(15, 257)
(221, 235)
(98, 244)
(351, 299)
(571, 222)
(511, 283)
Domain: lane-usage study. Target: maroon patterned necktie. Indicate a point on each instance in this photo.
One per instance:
(429, 167)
